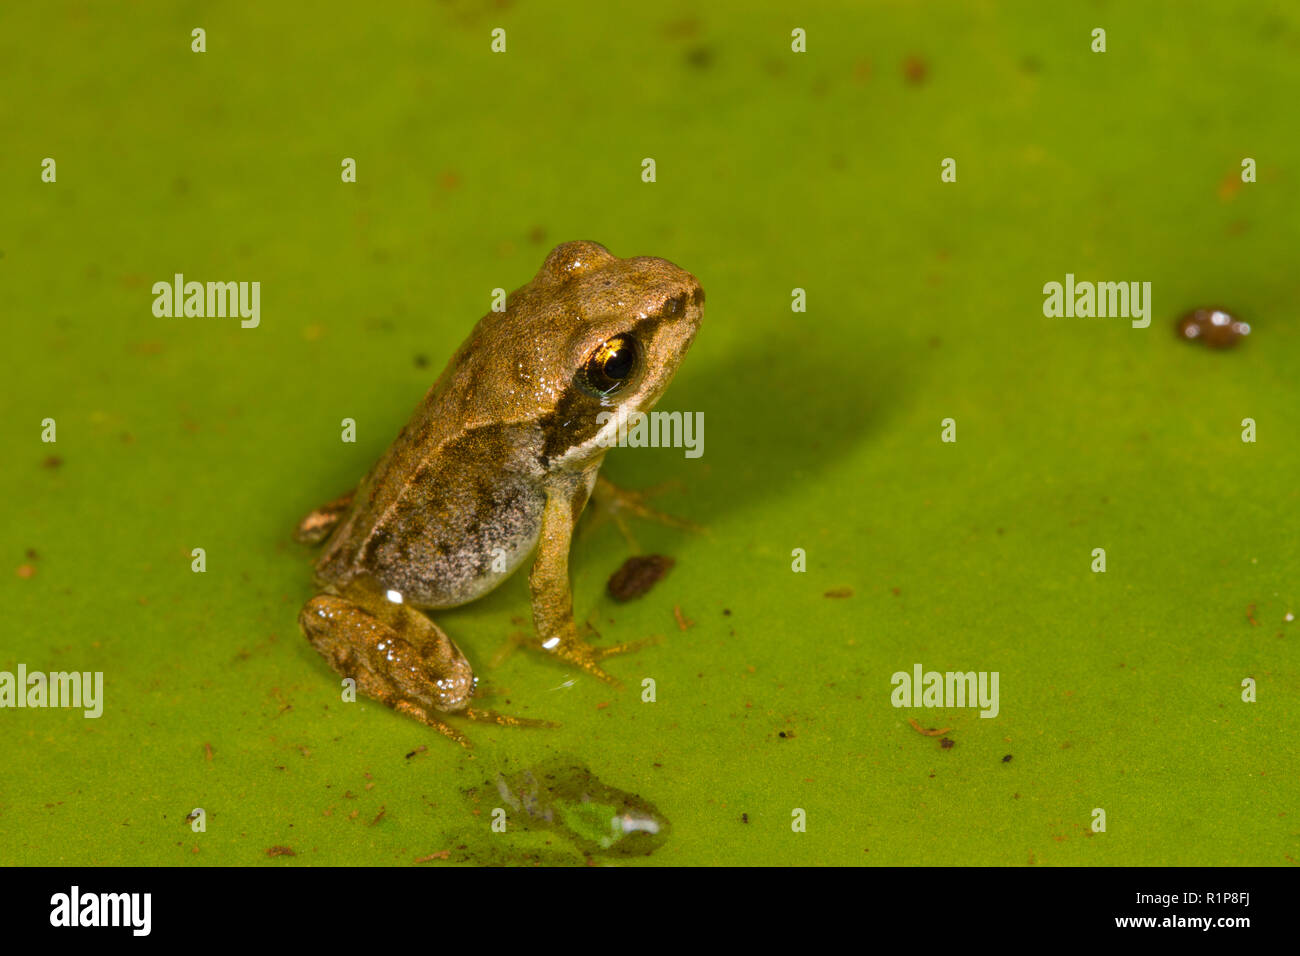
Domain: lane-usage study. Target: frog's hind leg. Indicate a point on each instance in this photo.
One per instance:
(316, 527)
(397, 656)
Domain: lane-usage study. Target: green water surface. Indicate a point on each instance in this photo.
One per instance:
(775, 170)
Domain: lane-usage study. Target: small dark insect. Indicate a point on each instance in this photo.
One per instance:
(1217, 328)
(1007, 759)
(637, 576)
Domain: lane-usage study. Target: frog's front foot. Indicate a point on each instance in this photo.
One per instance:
(573, 649)
(609, 501)
(398, 657)
(318, 525)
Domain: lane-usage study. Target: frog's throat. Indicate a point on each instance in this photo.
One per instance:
(592, 451)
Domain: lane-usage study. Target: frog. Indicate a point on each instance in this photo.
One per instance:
(495, 466)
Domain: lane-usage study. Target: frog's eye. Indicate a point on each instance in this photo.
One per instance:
(611, 366)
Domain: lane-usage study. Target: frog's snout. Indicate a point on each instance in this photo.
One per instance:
(694, 306)
(686, 301)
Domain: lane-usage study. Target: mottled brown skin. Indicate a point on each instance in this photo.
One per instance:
(496, 463)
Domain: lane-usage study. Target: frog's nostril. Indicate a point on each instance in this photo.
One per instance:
(673, 306)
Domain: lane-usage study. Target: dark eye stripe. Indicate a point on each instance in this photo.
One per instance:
(573, 420)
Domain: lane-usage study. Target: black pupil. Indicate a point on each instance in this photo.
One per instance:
(612, 366)
(618, 361)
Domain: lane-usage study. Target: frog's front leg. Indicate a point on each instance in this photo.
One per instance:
(397, 656)
(316, 527)
(557, 633)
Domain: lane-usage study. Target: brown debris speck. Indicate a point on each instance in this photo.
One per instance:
(1215, 327)
(839, 593)
(928, 733)
(700, 57)
(915, 70)
(683, 622)
(1229, 185)
(26, 570)
(280, 851)
(638, 575)
(682, 29)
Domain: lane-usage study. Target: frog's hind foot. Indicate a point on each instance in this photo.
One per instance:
(397, 656)
(429, 720)
(504, 720)
(316, 527)
(612, 502)
(469, 713)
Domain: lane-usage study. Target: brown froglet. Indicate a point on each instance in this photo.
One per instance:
(496, 464)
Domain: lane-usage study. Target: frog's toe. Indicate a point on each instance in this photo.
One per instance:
(627, 647)
(421, 714)
(588, 656)
(610, 502)
(505, 720)
(595, 670)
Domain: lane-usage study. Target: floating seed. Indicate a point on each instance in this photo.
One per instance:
(1217, 328)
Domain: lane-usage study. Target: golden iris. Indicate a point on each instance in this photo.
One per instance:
(611, 366)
